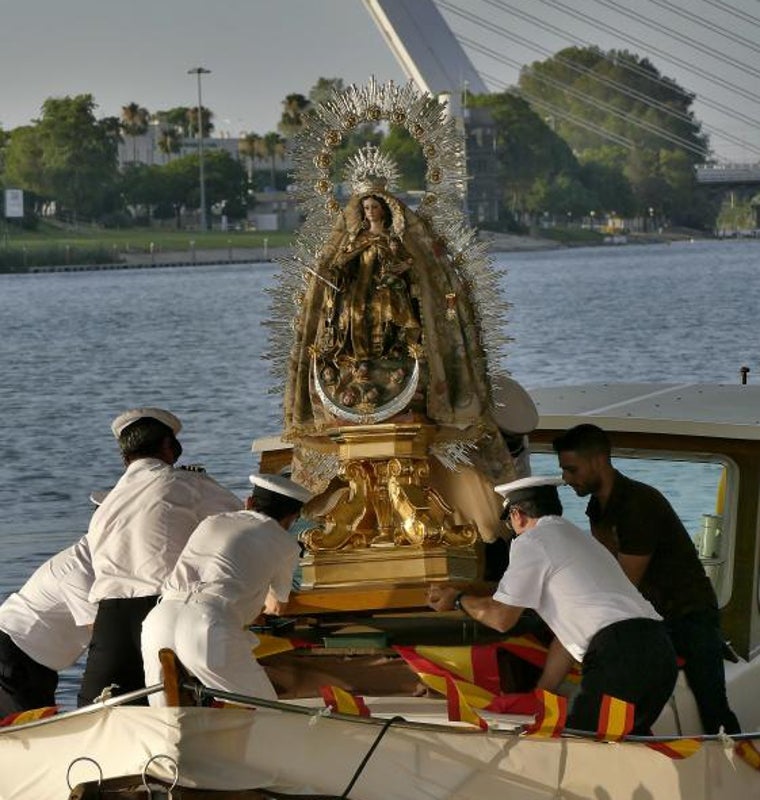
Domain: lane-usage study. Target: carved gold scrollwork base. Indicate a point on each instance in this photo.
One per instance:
(386, 503)
(379, 523)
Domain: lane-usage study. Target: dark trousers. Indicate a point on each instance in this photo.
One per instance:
(24, 683)
(632, 660)
(115, 655)
(698, 640)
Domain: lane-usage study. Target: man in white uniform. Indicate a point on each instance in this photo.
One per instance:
(233, 565)
(135, 537)
(576, 586)
(44, 628)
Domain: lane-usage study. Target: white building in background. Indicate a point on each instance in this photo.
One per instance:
(145, 150)
(272, 210)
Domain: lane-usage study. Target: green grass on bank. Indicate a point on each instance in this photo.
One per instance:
(139, 238)
(56, 245)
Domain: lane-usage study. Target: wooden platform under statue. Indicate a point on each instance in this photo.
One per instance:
(377, 578)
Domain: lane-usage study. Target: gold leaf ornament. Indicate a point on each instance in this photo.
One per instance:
(397, 116)
(323, 160)
(333, 138)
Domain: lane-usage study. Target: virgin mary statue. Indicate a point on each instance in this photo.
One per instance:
(388, 328)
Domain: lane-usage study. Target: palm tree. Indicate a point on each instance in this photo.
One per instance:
(169, 142)
(249, 146)
(295, 108)
(192, 121)
(134, 122)
(176, 117)
(272, 145)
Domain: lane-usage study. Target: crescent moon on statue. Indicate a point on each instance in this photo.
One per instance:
(390, 409)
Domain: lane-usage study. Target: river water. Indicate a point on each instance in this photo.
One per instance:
(78, 348)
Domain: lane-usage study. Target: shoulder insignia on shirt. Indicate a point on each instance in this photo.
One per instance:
(192, 467)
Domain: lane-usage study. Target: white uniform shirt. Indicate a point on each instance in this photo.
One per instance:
(574, 583)
(237, 557)
(49, 618)
(139, 530)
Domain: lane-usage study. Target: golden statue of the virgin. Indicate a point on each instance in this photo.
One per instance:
(387, 388)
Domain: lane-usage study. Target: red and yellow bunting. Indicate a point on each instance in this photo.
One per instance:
(343, 702)
(32, 715)
(551, 715)
(747, 751)
(677, 748)
(271, 645)
(616, 719)
(458, 704)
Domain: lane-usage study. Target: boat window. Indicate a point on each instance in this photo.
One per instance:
(702, 489)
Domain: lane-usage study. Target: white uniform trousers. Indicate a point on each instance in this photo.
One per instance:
(209, 642)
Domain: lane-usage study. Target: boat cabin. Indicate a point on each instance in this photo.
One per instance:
(700, 446)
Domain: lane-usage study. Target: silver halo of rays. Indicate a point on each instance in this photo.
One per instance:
(315, 189)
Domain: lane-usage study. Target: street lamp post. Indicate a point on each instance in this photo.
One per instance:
(198, 71)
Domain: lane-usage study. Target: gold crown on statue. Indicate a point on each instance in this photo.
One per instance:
(369, 170)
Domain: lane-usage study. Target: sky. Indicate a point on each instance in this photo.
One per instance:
(259, 51)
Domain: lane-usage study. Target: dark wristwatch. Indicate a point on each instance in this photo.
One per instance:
(458, 602)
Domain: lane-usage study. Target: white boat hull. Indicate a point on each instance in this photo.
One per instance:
(234, 749)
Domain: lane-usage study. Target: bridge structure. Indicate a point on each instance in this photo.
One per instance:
(729, 174)
(431, 56)
(426, 49)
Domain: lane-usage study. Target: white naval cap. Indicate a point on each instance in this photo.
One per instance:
(128, 417)
(525, 487)
(280, 484)
(514, 409)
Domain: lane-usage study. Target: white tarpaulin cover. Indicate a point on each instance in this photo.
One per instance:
(232, 748)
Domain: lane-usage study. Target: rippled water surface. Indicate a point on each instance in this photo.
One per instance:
(78, 348)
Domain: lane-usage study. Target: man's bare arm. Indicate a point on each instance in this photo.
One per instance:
(486, 610)
(634, 566)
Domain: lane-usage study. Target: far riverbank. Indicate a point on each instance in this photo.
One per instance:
(145, 258)
(498, 243)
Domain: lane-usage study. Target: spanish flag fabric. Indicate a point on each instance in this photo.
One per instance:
(343, 702)
(677, 748)
(475, 673)
(616, 718)
(477, 664)
(550, 716)
(458, 705)
(747, 751)
(443, 668)
(22, 717)
(272, 645)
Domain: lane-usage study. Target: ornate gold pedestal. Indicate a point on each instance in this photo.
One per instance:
(395, 565)
(382, 523)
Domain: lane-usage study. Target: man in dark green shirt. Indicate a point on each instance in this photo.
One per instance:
(654, 549)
